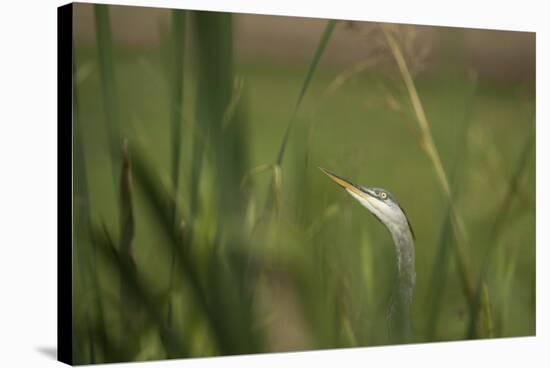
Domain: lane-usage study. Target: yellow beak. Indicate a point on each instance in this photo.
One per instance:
(349, 186)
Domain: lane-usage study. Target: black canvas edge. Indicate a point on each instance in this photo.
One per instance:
(64, 183)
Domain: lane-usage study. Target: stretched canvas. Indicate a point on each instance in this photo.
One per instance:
(245, 183)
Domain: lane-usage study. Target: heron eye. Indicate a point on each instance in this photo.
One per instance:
(383, 195)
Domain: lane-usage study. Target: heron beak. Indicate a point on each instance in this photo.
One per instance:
(348, 185)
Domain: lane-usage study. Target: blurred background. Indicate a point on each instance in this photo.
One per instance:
(203, 225)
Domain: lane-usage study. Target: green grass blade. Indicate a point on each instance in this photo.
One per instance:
(446, 237)
(126, 214)
(502, 213)
(487, 323)
(141, 296)
(323, 42)
(319, 51)
(126, 206)
(85, 258)
(215, 91)
(507, 265)
(204, 289)
(513, 188)
(213, 40)
(439, 276)
(108, 84)
(83, 268)
(160, 201)
(177, 83)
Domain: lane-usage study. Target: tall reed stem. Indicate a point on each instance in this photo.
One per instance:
(428, 144)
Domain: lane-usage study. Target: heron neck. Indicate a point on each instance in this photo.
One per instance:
(405, 283)
(404, 248)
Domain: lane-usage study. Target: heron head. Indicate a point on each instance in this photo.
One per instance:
(381, 203)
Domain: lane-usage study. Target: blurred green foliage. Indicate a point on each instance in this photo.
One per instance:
(178, 259)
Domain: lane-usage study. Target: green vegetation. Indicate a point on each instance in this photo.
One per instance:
(209, 243)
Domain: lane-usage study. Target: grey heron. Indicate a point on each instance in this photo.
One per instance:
(383, 205)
